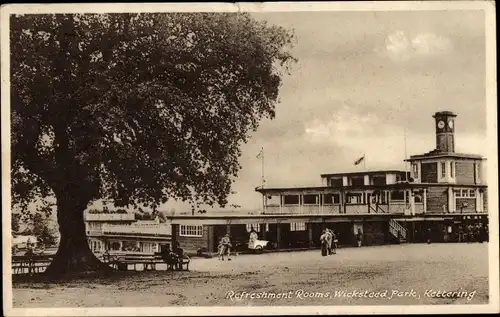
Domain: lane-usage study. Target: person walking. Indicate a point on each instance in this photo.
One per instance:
(359, 238)
(226, 243)
(334, 242)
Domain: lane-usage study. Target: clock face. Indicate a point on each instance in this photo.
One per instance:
(441, 124)
(450, 124)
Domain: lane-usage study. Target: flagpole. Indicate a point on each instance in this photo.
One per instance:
(262, 158)
(405, 166)
(364, 161)
(263, 179)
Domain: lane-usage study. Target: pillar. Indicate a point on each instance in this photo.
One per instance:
(451, 198)
(412, 204)
(211, 239)
(281, 204)
(310, 234)
(228, 229)
(301, 203)
(424, 200)
(262, 228)
(175, 233)
(278, 235)
(388, 195)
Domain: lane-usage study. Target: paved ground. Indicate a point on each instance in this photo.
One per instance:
(355, 276)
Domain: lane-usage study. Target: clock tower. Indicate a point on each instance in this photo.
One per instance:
(445, 128)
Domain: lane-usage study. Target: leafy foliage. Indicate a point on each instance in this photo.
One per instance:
(15, 225)
(38, 226)
(138, 108)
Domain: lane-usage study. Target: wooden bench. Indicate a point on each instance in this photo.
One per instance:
(148, 261)
(184, 262)
(30, 264)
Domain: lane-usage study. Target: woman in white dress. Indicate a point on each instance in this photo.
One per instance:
(253, 237)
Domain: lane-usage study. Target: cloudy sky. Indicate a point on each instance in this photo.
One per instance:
(362, 79)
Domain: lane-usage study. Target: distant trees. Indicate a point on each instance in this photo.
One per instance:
(38, 226)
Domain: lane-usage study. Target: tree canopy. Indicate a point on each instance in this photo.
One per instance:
(136, 108)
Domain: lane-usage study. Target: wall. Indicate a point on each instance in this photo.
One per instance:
(436, 198)
(429, 173)
(485, 198)
(356, 209)
(191, 244)
(464, 172)
(374, 232)
(471, 205)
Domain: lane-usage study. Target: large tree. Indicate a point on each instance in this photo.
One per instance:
(135, 108)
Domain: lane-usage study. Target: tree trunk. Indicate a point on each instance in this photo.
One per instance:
(73, 254)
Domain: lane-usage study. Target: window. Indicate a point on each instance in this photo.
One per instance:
(298, 226)
(379, 180)
(331, 199)
(452, 169)
(398, 195)
(291, 200)
(191, 231)
(336, 182)
(255, 227)
(357, 181)
(354, 198)
(415, 170)
(418, 198)
(310, 199)
(465, 193)
(443, 169)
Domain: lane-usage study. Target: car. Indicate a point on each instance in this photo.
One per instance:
(259, 246)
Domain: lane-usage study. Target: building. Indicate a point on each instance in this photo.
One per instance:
(119, 231)
(443, 191)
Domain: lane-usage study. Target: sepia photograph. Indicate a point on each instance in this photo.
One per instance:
(249, 158)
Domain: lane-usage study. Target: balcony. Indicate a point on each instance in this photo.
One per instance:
(350, 209)
(159, 229)
(109, 217)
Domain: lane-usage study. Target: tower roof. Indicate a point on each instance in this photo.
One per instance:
(444, 113)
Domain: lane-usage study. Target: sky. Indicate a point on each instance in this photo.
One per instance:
(362, 80)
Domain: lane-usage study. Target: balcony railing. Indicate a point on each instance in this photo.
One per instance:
(352, 209)
(160, 229)
(109, 217)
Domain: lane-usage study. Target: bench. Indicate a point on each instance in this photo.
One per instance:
(30, 264)
(183, 263)
(148, 261)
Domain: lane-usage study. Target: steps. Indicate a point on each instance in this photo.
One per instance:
(398, 231)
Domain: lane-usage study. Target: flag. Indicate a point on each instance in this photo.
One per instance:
(259, 156)
(358, 161)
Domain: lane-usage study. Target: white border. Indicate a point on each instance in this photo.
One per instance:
(487, 7)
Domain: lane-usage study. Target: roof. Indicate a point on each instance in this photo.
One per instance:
(400, 185)
(364, 173)
(436, 154)
(277, 218)
(444, 113)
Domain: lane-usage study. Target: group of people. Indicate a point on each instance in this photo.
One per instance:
(329, 242)
(173, 256)
(473, 233)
